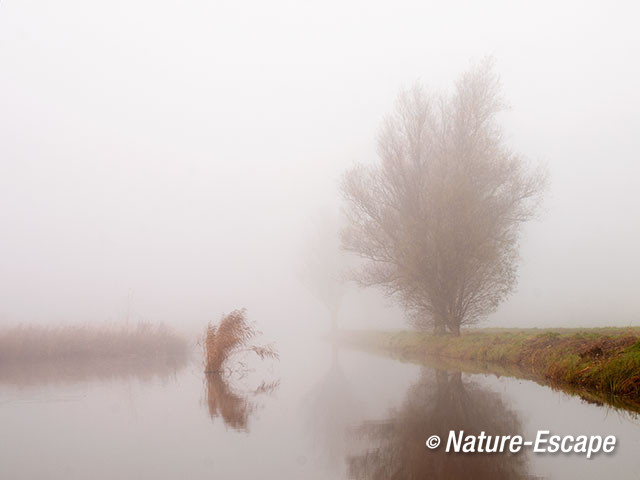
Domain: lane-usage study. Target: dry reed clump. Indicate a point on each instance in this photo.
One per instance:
(232, 335)
(81, 342)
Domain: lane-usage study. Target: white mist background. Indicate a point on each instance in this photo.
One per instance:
(163, 160)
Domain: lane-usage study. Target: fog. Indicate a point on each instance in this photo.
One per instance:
(165, 160)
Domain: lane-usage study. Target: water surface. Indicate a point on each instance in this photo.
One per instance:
(319, 413)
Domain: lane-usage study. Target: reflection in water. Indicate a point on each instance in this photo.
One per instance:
(233, 405)
(330, 409)
(69, 371)
(395, 448)
(162, 430)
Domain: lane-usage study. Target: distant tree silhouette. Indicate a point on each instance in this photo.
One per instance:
(322, 268)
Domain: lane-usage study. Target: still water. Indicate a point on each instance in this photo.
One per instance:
(318, 413)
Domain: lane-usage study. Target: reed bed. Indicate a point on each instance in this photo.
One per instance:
(25, 343)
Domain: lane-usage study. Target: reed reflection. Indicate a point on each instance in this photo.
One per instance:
(72, 371)
(233, 403)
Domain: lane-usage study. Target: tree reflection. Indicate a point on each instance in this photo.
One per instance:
(395, 447)
(234, 404)
(330, 408)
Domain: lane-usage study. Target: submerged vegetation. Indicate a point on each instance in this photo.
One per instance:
(601, 360)
(24, 344)
(232, 336)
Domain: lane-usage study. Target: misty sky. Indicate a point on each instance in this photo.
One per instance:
(167, 157)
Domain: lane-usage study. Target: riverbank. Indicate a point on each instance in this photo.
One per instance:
(604, 361)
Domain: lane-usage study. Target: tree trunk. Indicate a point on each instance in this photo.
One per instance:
(334, 323)
(454, 325)
(439, 327)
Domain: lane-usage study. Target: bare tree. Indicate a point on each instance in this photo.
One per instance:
(437, 219)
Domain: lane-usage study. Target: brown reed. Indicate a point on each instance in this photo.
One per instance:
(232, 335)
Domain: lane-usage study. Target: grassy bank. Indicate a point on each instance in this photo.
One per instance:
(601, 360)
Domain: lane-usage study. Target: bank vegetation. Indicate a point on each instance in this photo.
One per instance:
(604, 361)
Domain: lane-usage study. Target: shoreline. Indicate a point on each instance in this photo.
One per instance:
(601, 365)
